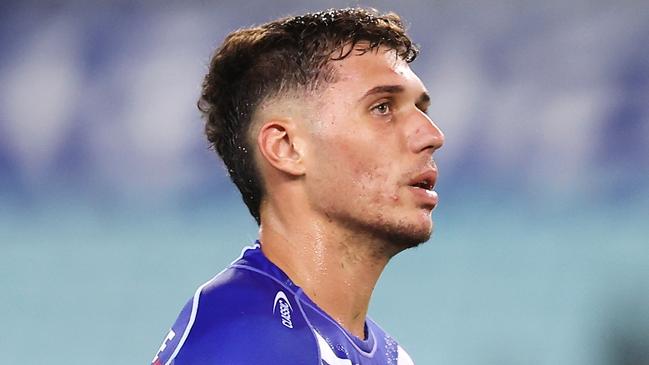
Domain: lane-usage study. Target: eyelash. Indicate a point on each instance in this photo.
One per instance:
(387, 104)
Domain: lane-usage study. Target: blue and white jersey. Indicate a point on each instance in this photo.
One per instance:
(252, 313)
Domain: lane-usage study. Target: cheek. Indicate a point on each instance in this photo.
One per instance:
(355, 168)
(371, 179)
(375, 181)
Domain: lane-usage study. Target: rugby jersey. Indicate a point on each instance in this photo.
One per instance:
(252, 313)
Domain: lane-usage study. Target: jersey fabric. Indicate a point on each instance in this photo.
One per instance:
(252, 313)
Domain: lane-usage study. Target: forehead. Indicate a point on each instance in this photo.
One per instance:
(381, 66)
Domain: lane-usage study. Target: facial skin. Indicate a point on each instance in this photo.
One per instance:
(370, 141)
(339, 167)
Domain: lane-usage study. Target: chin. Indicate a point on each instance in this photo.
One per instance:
(397, 231)
(412, 238)
(408, 234)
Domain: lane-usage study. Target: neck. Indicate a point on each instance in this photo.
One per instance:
(336, 268)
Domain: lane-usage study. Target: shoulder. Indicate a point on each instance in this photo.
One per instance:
(242, 316)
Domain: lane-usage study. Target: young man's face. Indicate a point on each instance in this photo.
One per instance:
(370, 148)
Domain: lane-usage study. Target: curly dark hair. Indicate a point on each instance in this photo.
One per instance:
(291, 54)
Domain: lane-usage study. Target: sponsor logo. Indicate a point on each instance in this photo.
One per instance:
(281, 302)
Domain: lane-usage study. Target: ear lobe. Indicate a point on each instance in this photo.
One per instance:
(277, 144)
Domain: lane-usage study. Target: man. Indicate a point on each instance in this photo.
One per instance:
(323, 128)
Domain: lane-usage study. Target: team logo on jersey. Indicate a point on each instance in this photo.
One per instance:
(281, 302)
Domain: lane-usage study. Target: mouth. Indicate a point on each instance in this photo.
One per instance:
(426, 185)
(425, 181)
(422, 187)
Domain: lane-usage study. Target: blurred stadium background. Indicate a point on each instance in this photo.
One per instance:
(112, 209)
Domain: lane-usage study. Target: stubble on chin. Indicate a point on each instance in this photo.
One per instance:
(391, 237)
(406, 236)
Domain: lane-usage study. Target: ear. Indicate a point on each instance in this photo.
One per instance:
(280, 147)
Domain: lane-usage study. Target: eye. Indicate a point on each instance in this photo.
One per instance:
(381, 109)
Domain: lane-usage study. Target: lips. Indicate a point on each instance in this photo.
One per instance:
(422, 187)
(425, 180)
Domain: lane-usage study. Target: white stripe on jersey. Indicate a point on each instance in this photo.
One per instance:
(327, 354)
(403, 358)
(197, 295)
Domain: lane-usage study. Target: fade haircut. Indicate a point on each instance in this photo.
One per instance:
(256, 64)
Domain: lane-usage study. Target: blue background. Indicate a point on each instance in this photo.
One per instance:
(112, 209)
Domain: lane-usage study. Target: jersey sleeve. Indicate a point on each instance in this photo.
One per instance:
(172, 341)
(235, 321)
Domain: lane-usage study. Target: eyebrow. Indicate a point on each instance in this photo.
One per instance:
(395, 89)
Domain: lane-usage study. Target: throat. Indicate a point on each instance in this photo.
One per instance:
(336, 270)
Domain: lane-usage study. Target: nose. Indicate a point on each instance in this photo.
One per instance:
(425, 135)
